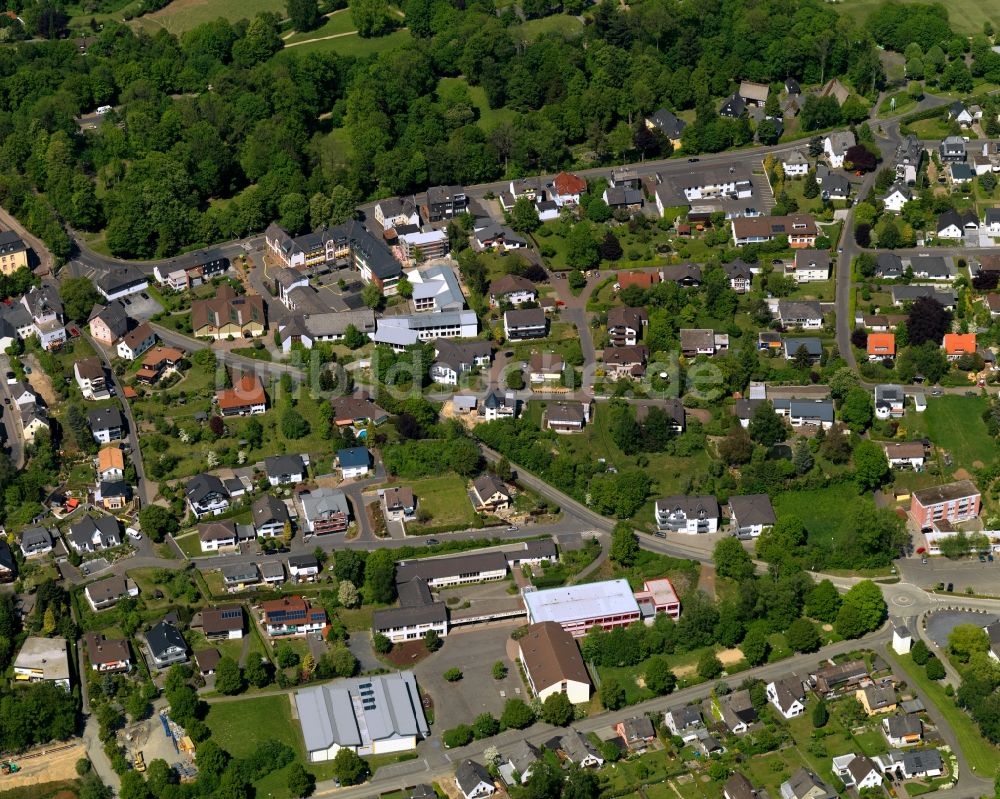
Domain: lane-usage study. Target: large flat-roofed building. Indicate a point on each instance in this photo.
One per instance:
(459, 570)
(43, 660)
(368, 715)
(553, 663)
(945, 504)
(577, 608)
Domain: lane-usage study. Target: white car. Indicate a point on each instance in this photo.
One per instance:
(133, 533)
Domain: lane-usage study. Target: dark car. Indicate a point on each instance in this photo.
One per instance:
(509, 354)
(432, 542)
(693, 160)
(950, 587)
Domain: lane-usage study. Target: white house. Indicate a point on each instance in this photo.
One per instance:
(836, 145)
(687, 514)
(216, 535)
(136, 342)
(795, 164)
(788, 696)
(354, 462)
(857, 771)
(553, 663)
(684, 722)
(474, 781)
(991, 221)
(902, 640)
(898, 196)
(811, 265)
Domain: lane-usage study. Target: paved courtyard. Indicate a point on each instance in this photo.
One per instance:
(984, 578)
(474, 650)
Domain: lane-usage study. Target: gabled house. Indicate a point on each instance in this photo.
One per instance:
(958, 344)
(799, 412)
(625, 326)
(881, 346)
(524, 323)
(877, 699)
(490, 493)
(166, 645)
(291, 615)
(239, 576)
(857, 771)
(228, 315)
(516, 763)
(545, 367)
(740, 275)
(952, 149)
(577, 749)
(899, 194)
(36, 541)
(787, 695)
(107, 656)
(303, 568)
(474, 781)
(795, 164)
(136, 342)
(668, 124)
(227, 622)
(839, 676)
(46, 311)
(953, 225)
(904, 454)
(805, 784)
(567, 188)
(566, 417)
(687, 514)
(903, 730)
(625, 363)
(357, 412)
(684, 722)
(453, 359)
(206, 494)
(695, 342)
(623, 198)
(811, 265)
(739, 787)
(112, 494)
(960, 114)
(91, 535)
(553, 663)
(108, 323)
(733, 107)
(512, 289)
(637, 732)
(737, 711)
(217, 535)
(109, 592)
(794, 346)
(269, 515)
(399, 503)
(799, 229)
(285, 469)
(90, 378)
(991, 221)
(836, 145)
(751, 514)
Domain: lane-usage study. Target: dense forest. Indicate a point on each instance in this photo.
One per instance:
(217, 133)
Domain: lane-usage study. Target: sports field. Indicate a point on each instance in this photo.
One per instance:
(966, 16)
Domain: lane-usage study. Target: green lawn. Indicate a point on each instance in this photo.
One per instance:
(447, 500)
(190, 545)
(981, 754)
(954, 423)
(935, 128)
(238, 727)
(821, 510)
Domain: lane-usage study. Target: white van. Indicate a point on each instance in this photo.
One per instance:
(102, 110)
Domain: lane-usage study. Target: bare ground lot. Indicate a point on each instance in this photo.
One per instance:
(45, 765)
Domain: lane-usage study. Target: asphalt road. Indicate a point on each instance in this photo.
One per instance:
(14, 434)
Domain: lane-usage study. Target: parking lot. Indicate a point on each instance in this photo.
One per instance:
(942, 622)
(473, 650)
(982, 577)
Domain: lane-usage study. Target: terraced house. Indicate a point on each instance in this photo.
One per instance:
(227, 315)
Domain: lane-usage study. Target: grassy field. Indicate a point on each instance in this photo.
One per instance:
(351, 45)
(337, 22)
(954, 423)
(447, 500)
(183, 15)
(966, 16)
(238, 727)
(821, 510)
(982, 755)
(559, 23)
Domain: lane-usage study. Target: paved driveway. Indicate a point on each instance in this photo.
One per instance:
(474, 650)
(360, 645)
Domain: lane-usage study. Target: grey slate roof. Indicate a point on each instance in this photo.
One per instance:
(749, 509)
